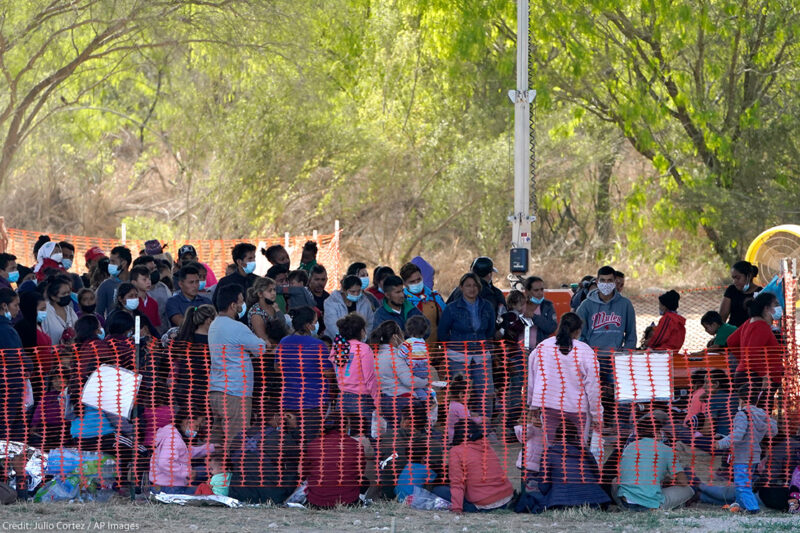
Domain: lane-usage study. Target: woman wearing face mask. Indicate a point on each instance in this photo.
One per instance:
(48, 257)
(539, 310)
(261, 307)
(175, 447)
(127, 301)
(359, 270)
(739, 294)
(59, 312)
(38, 345)
(759, 354)
(351, 298)
(425, 299)
(302, 360)
(15, 366)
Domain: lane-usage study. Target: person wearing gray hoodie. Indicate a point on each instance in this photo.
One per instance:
(750, 425)
(609, 320)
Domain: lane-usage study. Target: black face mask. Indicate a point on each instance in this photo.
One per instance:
(64, 301)
(89, 309)
(154, 277)
(268, 301)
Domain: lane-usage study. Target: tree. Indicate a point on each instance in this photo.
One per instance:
(702, 88)
(55, 54)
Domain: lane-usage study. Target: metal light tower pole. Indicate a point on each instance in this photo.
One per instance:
(522, 98)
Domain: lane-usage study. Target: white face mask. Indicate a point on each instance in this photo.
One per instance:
(606, 288)
(57, 257)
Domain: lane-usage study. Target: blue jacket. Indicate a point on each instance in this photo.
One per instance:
(572, 478)
(12, 382)
(384, 313)
(546, 322)
(456, 322)
(608, 325)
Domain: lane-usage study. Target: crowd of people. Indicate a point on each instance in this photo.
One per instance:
(253, 386)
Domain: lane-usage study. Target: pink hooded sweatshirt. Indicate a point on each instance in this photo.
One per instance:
(357, 374)
(171, 461)
(568, 382)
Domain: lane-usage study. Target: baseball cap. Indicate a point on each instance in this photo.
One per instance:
(483, 265)
(186, 249)
(94, 253)
(153, 247)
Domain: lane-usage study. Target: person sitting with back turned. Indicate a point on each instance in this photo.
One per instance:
(671, 329)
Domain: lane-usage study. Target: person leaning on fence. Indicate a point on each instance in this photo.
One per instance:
(650, 477)
(670, 332)
(232, 344)
(478, 482)
(563, 381)
(350, 299)
(354, 365)
(396, 381)
(467, 324)
(750, 426)
(302, 361)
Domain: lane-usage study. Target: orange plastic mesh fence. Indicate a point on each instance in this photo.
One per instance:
(472, 413)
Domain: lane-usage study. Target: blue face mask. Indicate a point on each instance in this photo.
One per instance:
(536, 301)
(250, 267)
(66, 263)
(746, 288)
(190, 433)
(41, 316)
(74, 296)
(202, 284)
(364, 283)
(353, 298)
(113, 269)
(132, 303)
(777, 313)
(416, 288)
(7, 314)
(13, 277)
(102, 334)
(315, 329)
(244, 310)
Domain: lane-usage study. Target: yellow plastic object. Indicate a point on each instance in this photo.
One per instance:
(774, 244)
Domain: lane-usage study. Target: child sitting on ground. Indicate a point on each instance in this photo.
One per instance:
(415, 350)
(415, 474)
(219, 481)
(750, 426)
(171, 463)
(457, 407)
(48, 416)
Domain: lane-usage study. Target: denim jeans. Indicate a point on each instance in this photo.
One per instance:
(743, 481)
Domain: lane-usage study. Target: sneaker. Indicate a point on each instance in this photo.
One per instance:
(794, 506)
(733, 507)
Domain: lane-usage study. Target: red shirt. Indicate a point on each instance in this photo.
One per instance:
(376, 293)
(334, 468)
(669, 334)
(758, 350)
(149, 308)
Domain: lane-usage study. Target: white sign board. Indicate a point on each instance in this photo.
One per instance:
(643, 377)
(112, 389)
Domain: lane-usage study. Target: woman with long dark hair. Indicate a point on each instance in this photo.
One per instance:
(564, 382)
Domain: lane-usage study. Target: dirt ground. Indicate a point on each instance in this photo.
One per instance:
(380, 517)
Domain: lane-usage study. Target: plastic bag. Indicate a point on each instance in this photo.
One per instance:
(378, 425)
(299, 495)
(35, 468)
(58, 490)
(63, 462)
(425, 500)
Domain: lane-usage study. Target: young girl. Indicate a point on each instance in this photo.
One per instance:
(457, 408)
(48, 417)
(262, 307)
(171, 463)
(415, 350)
(750, 426)
(219, 481)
